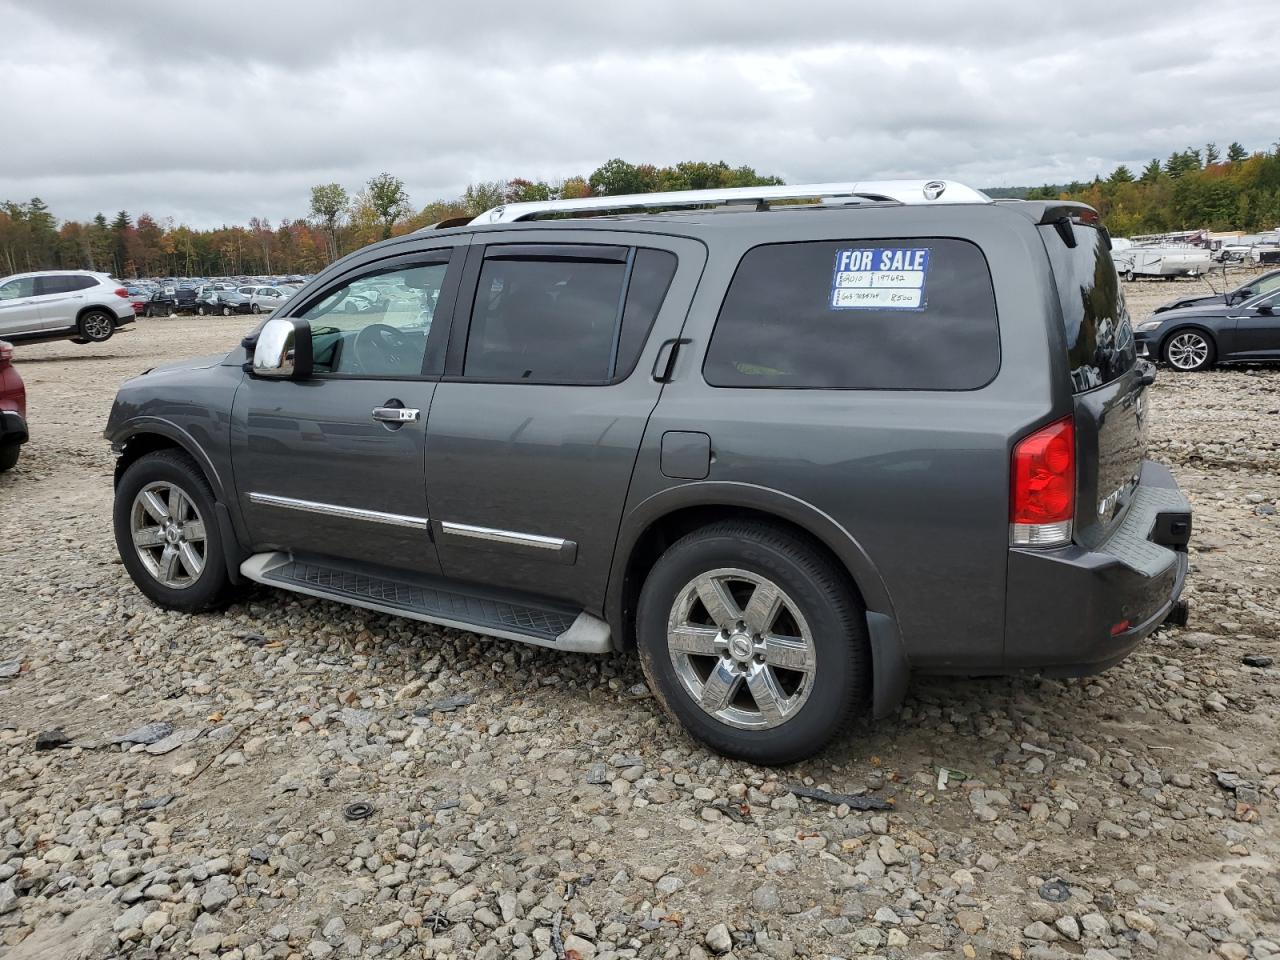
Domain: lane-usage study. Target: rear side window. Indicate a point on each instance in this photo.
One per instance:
(63, 284)
(846, 315)
(564, 313)
(1095, 320)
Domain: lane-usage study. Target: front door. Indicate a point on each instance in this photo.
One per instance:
(322, 467)
(1257, 331)
(534, 429)
(19, 311)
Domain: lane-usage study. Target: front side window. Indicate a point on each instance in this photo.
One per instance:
(894, 314)
(564, 313)
(18, 289)
(376, 325)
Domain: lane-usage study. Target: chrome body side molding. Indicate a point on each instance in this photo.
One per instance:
(335, 510)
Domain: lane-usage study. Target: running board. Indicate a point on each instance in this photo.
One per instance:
(559, 629)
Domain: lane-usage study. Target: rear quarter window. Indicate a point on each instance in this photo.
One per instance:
(778, 326)
(1095, 320)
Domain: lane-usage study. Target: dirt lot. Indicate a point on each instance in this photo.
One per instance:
(549, 810)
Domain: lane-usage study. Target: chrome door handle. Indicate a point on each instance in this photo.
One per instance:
(395, 414)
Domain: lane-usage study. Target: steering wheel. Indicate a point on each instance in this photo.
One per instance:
(382, 349)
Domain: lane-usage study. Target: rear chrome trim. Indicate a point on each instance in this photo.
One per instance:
(334, 510)
(502, 536)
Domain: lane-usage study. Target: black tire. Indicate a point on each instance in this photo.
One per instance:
(97, 326)
(9, 455)
(212, 587)
(200, 310)
(840, 683)
(226, 311)
(254, 308)
(1129, 276)
(1172, 355)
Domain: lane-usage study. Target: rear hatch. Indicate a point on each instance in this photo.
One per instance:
(1108, 383)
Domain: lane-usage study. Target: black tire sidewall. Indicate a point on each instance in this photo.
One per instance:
(111, 326)
(9, 453)
(839, 681)
(179, 470)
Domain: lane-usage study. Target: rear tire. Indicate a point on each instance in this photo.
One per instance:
(1189, 350)
(9, 455)
(156, 559)
(97, 326)
(200, 311)
(226, 311)
(770, 701)
(254, 308)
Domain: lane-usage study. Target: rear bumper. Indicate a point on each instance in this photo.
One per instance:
(13, 428)
(1076, 611)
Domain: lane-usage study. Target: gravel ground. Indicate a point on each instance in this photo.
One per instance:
(526, 804)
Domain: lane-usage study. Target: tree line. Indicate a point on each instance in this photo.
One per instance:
(337, 221)
(1192, 189)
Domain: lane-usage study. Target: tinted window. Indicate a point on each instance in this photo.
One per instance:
(377, 324)
(48, 285)
(651, 273)
(544, 317)
(1100, 344)
(778, 326)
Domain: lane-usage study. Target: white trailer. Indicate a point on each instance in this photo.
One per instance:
(1161, 261)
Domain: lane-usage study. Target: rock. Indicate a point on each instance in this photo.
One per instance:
(1111, 831)
(765, 898)
(1256, 660)
(970, 921)
(459, 863)
(51, 739)
(173, 741)
(148, 733)
(154, 922)
(1068, 927)
(132, 918)
(10, 668)
(718, 939)
(1040, 930)
(8, 898)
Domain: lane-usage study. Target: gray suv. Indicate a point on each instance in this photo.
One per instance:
(793, 452)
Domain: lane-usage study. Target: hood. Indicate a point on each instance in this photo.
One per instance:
(199, 363)
(1184, 302)
(1199, 311)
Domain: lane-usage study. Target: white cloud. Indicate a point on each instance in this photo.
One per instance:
(216, 113)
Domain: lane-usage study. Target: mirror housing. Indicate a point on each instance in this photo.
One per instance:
(283, 349)
(1265, 308)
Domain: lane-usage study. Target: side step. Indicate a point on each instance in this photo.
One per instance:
(433, 602)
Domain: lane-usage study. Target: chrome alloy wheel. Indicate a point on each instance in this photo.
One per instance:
(168, 534)
(97, 326)
(741, 648)
(1188, 351)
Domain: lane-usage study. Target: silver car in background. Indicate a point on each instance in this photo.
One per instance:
(264, 299)
(77, 305)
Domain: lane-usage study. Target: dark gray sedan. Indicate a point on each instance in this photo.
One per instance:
(1197, 337)
(1253, 287)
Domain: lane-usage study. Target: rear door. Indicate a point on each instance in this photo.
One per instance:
(549, 385)
(60, 298)
(1109, 388)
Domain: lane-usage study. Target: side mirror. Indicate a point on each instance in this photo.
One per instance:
(283, 350)
(1265, 308)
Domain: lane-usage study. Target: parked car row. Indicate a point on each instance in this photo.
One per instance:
(214, 299)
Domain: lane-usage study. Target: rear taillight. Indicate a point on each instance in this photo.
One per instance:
(122, 292)
(1042, 499)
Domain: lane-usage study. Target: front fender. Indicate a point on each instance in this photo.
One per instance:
(138, 426)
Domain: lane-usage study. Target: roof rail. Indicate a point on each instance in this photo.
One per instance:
(895, 191)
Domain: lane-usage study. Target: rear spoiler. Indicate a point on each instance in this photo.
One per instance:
(1062, 215)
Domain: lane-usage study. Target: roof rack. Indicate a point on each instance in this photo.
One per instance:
(891, 191)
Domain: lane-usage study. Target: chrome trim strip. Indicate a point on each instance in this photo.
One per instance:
(334, 510)
(502, 536)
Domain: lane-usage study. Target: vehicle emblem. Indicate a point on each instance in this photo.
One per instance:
(934, 189)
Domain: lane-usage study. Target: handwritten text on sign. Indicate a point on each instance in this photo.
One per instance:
(879, 278)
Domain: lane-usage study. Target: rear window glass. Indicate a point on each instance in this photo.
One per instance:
(917, 314)
(1100, 344)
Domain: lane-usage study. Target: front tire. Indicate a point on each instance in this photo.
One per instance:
(255, 308)
(226, 311)
(753, 639)
(167, 533)
(97, 326)
(1189, 351)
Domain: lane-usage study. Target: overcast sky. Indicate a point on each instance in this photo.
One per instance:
(215, 112)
